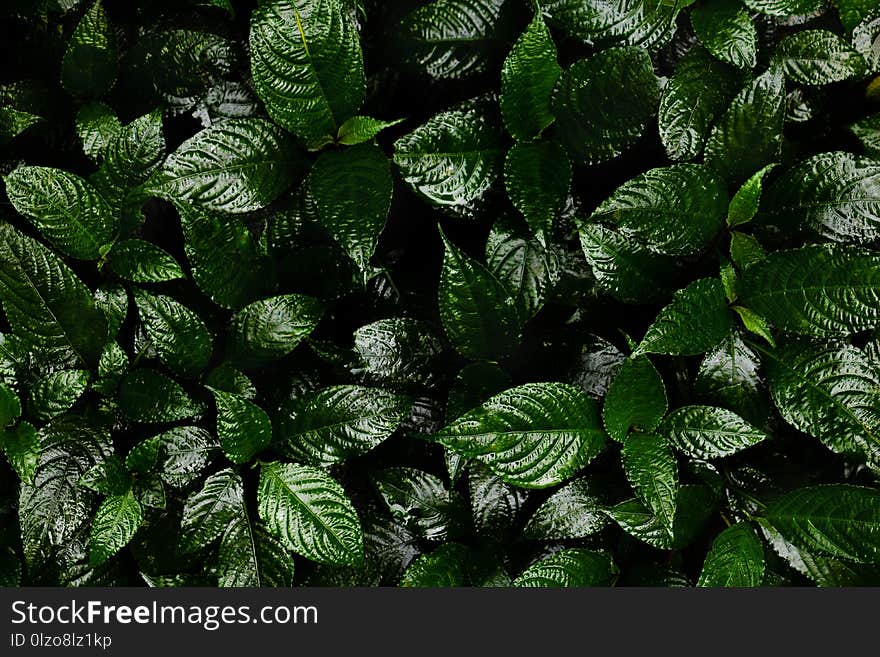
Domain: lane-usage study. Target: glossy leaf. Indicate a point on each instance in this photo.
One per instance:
(114, 525)
(817, 57)
(533, 436)
(148, 396)
(537, 178)
(89, 65)
(569, 568)
(708, 432)
(626, 22)
(209, 511)
(55, 393)
(270, 329)
(636, 398)
(651, 469)
(243, 427)
(727, 31)
(142, 262)
(420, 501)
(735, 560)
(573, 511)
(744, 204)
(398, 351)
(180, 338)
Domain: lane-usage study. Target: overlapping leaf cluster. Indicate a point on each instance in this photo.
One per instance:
(441, 293)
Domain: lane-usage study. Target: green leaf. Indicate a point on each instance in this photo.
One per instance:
(96, 126)
(46, 304)
(651, 469)
(250, 557)
(532, 436)
(727, 31)
(866, 41)
(830, 391)
(22, 447)
(183, 452)
(149, 396)
(495, 505)
(269, 329)
(744, 204)
(307, 66)
(90, 62)
(709, 432)
(142, 262)
(694, 506)
(749, 135)
(627, 22)
(624, 267)
(756, 324)
(745, 250)
(454, 158)
(65, 208)
(421, 502)
(209, 511)
(537, 178)
(729, 376)
(574, 511)
(10, 406)
(833, 195)
(243, 427)
(570, 568)
(693, 98)
(675, 211)
(310, 513)
(852, 12)
(451, 39)
(603, 104)
(525, 268)
(867, 131)
(352, 189)
(838, 520)
(360, 129)
(176, 333)
(636, 398)
(785, 7)
(112, 302)
(55, 393)
(398, 351)
(236, 166)
(115, 524)
(818, 290)
(444, 567)
(224, 258)
(133, 154)
(476, 310)
(54, 508)
(695, 321)
(527, 80)
(735, 560)
(473, 385)
(818, 57)
(337, 423)
(13, 123)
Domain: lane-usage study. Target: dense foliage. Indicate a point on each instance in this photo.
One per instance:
(460, 292)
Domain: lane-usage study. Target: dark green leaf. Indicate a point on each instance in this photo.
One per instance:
(651, 469)
(114, 525)
(243, 427)
(55, 393)
(176, 332)
(149, 396)
(630, 22)
(270, 329)
(22, 447)
(708, 432)
(398, 351)
(573, 511)
(250, 557)
(727, 31)
(735, 560)
(89, 65)
(537, 178)
(444, 567)
(420, 501)
(209, 511)
(817, 57)
(636, 398)
(570, 568)
(142, 262)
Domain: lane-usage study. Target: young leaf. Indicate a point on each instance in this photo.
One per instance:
(270, 329)
(10, 406)
(310, 513)
(360, 129)
(749, 135)
(336, 423)
(243, 427)
(527, 80)
(114, 525)
(573, 511)
(180, 338)
(22, 447)
(65, 208)
(744, 204)
(570, 568)
(46, 303)
(745, 250)
(454, 158)
(652, 471)
(477, 312)
(735, 560)
(695, 321)
(708, 432)
(89, 65)
(636, 398)
(838, 520)
(697, 94)
(727, 31)
(816, 290)
(537, 178)
(674, 211)
(533, 436)
(603, 104)
(237, 166)
(96, 126)
(352, 190)
(817, 57)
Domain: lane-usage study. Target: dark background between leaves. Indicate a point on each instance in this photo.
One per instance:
(410, 246)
